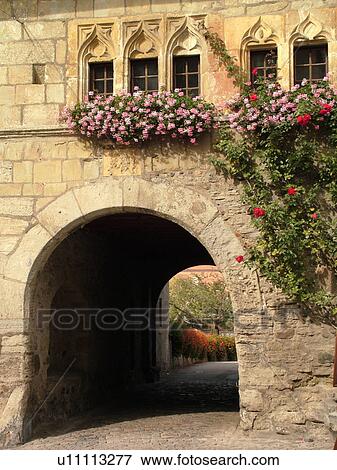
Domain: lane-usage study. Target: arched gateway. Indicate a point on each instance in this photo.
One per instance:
(275, 348)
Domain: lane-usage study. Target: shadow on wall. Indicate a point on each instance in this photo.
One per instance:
(47, 8)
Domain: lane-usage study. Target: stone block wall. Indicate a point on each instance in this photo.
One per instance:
(50, 183)
(285, 361)
(42, 65)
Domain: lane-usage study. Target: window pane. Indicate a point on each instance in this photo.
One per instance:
(260, 72)
(180, 81)
(179, 63)
(99, 81)
(318, 71)
(99, 70)
(152, 67)
(138, 68)
(265, 63)
(302, 55)
(152, 83)
(193, 63)
(272, 72)
(109, 71)
(139, 82)
(109, 86)
(302, 72)
(318, 55)
(194, 92)
(257, 58)
(99, 86)
(193, 81)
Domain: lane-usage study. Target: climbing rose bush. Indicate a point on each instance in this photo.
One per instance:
(281, 144)
(281, 147)
(127, 118)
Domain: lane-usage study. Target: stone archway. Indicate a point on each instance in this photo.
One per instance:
(103, 283)
(191, 210)
(276, 390)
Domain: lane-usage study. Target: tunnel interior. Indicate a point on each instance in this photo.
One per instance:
(120, 261)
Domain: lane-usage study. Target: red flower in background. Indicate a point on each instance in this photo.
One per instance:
(255, 71)
(292, 191)
(314, 216)
(239, 259)
(253, 97)
(258, 212)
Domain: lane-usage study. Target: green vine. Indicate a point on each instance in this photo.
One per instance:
(234, 71)
(281, 146)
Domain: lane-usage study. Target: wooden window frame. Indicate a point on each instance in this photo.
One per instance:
(186, 73)
(310, 65)
(146, 76)
(105, 79)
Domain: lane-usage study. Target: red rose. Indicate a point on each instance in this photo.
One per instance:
(314, 216)
(304, 120)
(255, 71)
(326, 109)
(258, 212)
(253, 97)
(239, 259)
(292, 191)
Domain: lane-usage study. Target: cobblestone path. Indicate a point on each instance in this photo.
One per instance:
(191, 408)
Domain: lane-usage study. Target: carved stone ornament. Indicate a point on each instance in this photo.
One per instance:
(259, 34)
(184, 34)
(310, 29)
(142, 38)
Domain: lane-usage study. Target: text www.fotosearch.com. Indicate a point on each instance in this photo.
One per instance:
(189, 460)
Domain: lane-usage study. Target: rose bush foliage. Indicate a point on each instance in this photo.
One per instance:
(281, 146)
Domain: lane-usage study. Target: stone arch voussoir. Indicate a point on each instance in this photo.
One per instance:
(191, 209)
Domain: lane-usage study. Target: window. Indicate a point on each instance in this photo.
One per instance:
(144, 74)
(101, 78)
(39, 74)
(264, 63)
(311, 62)
(186, 74)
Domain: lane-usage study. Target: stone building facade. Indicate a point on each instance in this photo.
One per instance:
(77, 219)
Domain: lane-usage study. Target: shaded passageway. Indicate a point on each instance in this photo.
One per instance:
(193, 407)
(107, 329)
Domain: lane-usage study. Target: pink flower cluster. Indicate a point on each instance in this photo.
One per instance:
(129, 118)
(269, 105)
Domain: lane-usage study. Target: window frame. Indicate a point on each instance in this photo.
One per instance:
(266, 49)
(105, 79)
(310, 45)
(186, 73)
(146, 76)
